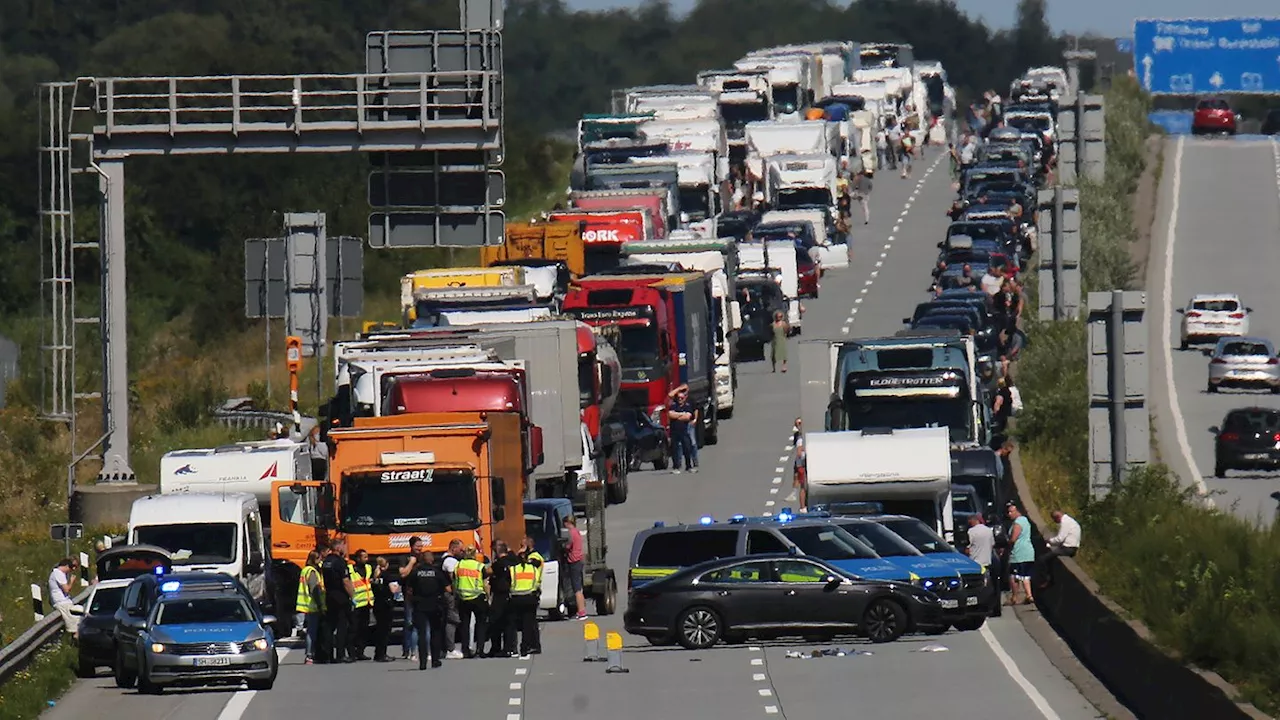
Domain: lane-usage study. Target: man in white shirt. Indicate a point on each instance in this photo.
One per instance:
(60, 593)
(1067, 541)
(991, 282)
(982, 541)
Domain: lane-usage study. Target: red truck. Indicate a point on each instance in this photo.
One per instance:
(664, 339)
(605, 231)
(655, 202)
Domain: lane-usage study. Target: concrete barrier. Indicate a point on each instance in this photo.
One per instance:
(1118, 651)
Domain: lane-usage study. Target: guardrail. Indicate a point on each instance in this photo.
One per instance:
(242, 419)
(17, 654)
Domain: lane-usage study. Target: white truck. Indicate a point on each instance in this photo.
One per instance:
(777, 258)
(832, 255)
(246, 467)
(783, 137)
(697, 181)
(939, 96)
(790, 79)
(907, 471)
(744, 96)
(464, 306)
(828, 65)
(719, 260)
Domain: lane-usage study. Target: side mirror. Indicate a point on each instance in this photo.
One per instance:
(606, 378)
(134, 623)
(832, 584)
(255, 562)
(942, 244)
(269, 620)
(535, 440)
(1215, 430)
(1180, 311)
(78, 610)
(906, 321)
(325, 511)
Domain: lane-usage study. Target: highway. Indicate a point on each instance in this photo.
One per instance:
(997, 673)
(1218, 225)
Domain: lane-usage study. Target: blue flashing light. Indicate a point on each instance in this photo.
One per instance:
(171, 586)
(659, 523)
(706, 520)
(786, 515)
(159, 570)
(738, 519)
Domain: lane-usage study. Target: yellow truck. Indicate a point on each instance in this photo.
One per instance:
(540, 240)
(468, 277)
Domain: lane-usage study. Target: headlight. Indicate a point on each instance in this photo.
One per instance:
(260, 644)
(157, 648)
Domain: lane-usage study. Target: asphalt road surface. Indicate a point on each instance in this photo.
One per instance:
(997, 673)
(1218, 230)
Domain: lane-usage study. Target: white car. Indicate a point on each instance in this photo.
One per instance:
(1213, 316)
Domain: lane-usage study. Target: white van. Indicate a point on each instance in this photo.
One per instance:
(210, 532)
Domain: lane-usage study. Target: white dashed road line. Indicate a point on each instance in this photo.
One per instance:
(517, 688)
(239, 702)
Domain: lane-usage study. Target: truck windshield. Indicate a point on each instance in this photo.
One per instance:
(786, 95)
(919, 535)
(799, 198)
(409, 500)
(883, 541)
(695, 202)
(909, 411)
(737, 115)
(192, 543)
(639, 350)
(828, 542)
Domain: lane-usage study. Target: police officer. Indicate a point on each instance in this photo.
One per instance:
(310, 604)
(469, 576)
(383, 599)
(526, 590)
(428, 584)
(502, 628)
(338, 592)
(361, 603)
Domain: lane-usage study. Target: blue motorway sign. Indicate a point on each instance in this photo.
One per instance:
(1208, 56)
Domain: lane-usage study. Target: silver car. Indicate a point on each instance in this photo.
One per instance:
(1244, 362)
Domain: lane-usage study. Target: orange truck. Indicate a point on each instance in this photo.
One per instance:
(552, 241)
(439, 476)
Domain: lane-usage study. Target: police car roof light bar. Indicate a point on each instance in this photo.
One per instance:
(707, 520)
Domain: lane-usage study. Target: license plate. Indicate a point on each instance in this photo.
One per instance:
(971, 601)
(1255, 456)
(949, 604)
(212, 661)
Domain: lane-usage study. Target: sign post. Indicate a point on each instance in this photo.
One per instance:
(1193, 56)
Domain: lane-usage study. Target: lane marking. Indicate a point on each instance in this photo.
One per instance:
(890, 238)
(780, 469)
(765, 692)
(239, 702)
(756, 661)
(513, 716)
(513, 701)
(773, 491)
(880, 263)
(1010, 667)
(777, 481)
(857, 301)
(784, 458)
(1166, 318)
(522, 671)
(771, 709)
(770, 503)
(844, 330)
(514, 686)
(758, 677)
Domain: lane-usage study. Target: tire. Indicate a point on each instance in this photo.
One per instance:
(970, 623)
(261, 685)
(884, 621)
(1211, 388)
(698, 628)
(713, 435)
(125, 678)
(145, 686)
(616, 494)
(607, 601)
(725, 414)
(660, 463)
(85, 668)
(1182, 345)
(1219, 468)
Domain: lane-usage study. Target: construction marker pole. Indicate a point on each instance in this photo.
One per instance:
(293, 358)
(84, 569)
(591, 641)
(614, 642)
(37, 602)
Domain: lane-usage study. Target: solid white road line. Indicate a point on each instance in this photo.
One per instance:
(1010, 667)
(1166, 323)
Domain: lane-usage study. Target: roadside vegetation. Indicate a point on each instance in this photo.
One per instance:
(1203, 581)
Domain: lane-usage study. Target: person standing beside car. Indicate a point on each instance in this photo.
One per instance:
(1021, 556)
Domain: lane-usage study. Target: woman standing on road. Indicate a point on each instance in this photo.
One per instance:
(778, 345)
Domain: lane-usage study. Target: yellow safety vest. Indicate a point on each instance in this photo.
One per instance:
(363, 596)
(306, 602)
(526, 579)
(470, 583)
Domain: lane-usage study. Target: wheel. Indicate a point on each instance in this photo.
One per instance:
(935, 629)
(713, 435)
(1210, 387)
(663, 641)
(616, 493)
(698, 628)
(85, 667)
(559, 611)
(125, 678)
(145, 686)
(725, 414)
(660, 463)
(1219, 467)
(261, 685)
(970, 623)
(607, 601)
(884, 621)
(1183, 344)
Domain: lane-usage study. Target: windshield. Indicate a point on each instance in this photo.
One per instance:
(921, 536)
(878, 59)
(800, 198)
(883, 541)
(737, 115)
(1246, 348)
(827, 542)
(202, 611)
(638, 349)
(985, 488)
(586, 380)
(421, 499)
(193, 543)
(786, 95)
(736, 228)
(695, 202)
(1030, 124)
(964, 502)
(106, 601)
(908, 411)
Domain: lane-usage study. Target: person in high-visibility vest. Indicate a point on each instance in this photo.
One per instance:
(526, 590)
(310, 603)
(361, 602)
(469, 583)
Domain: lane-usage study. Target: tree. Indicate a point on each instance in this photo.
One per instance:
(1033, 42)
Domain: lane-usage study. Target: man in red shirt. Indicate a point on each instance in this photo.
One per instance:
(573, 557)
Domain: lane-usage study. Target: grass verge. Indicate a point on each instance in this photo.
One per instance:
(1204, 582)
(27, 693)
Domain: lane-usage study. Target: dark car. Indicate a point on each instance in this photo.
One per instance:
(736, 224)
(115, 570)
(1213, 115)
(1271, 123)
(760, 298)
(1249, 439)
(774, 596)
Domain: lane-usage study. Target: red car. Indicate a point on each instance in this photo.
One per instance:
(1213, 116)
(810, 274)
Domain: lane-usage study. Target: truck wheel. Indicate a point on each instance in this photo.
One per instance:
(607, 600)
(616, 492)
(725, 414)
(660, 463)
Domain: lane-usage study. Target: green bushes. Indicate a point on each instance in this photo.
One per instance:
(1206, 583)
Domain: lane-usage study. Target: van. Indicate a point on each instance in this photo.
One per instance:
(205, 532)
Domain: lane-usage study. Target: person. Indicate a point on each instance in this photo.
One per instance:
(338, 594)
(310, 603)
(319, 454)
(469, 581)
(814, 113)
(1067, 541)
(681, 416)
(383, 600)
(502, 630)
(893, 134)
(1021, 556)
(526, 589)
(409, 635)
(449, 564)
(982, 541)
(799, 467)
(862, 192)
(1001, 407)
(908, 153)
(966, 277)
(778, 343)
(428, 586)
(361, 602)
(574, 557)
(61, 580)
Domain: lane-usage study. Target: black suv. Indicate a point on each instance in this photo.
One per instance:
(1249, 439)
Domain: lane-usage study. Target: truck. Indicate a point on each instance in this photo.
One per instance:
(594, 128)
(802, 182)
(655, 203)
(544, 522)
(719, 260)
(702, 194)
(798, 137)
(790, 79)
(440, 476)
(455, 277)
(778, 259)
(904, 471)
(657, 177)
(914, 379)
(244, 467)
(644, 98)
(828, 64)
(744, 96)
(559, 241)
(664, 324)
(463, 306)
(604, 232)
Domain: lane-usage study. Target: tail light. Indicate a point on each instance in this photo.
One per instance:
(1276, 437)
(1193, 314)
(1237, 316)
(1217, 361)
(1229, 437)
(1273, 361)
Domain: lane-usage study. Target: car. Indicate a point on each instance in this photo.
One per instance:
(1249, 439)
(1244, 362)
(116, 569)
(1212, 317)
(810, 274)
(1214, 115)
(1271, 123)
(203, 637)
(774, 595)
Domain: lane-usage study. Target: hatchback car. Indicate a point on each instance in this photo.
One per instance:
(1244, 362)
(1249, 439)
(1213, 115)
(1213, 316)
(116, 569)
(774, 596)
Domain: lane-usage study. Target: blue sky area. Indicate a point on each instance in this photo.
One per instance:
(1112, 18)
